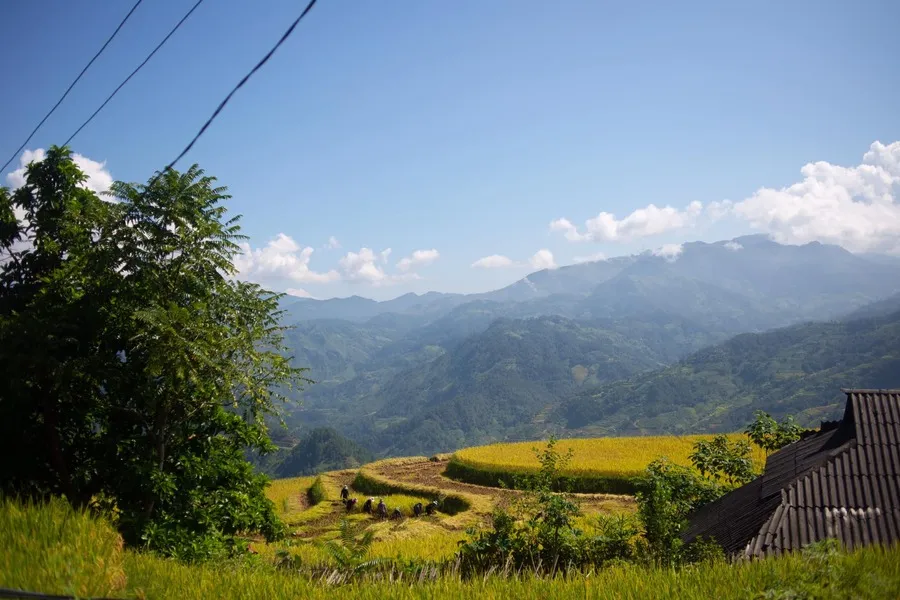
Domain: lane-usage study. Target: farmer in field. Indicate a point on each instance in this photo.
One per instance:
(345, 493)
(417, 509)
(396, 514)
(382, 509)
(432, 507)
(367, 507)
(351, 504)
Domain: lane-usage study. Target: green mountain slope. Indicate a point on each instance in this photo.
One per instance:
(319, 450)
(797, 370)
(499, 384)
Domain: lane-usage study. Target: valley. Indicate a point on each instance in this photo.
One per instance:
(637, 344)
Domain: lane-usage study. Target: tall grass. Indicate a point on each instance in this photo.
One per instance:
(55, 549)
(289, 495)
(600, 465)
(871, 573)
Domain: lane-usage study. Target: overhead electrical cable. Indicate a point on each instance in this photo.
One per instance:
(240, 84)
(133, 73)
(72, 85)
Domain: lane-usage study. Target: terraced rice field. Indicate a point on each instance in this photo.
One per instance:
(598, 464)
(401, 482)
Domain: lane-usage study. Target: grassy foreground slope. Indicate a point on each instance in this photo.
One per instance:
(599, 465)
(54, 550)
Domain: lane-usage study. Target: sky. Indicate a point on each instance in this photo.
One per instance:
(416, 145)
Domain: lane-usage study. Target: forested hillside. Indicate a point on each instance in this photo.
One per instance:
(321, 449)
(420, 374)
(797, 370)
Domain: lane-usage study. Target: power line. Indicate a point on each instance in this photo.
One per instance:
(240, 84)
(69, 89)
(133, 73)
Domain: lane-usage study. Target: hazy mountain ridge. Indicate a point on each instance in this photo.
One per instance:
(429, 372)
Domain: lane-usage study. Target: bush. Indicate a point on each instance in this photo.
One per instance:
(541, 535)
(316, 492)
(666, 498)
(617, 538)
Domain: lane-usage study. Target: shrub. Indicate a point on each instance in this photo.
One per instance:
(667, 496)
(316, 492)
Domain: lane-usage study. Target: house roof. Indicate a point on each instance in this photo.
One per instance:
(841, 482)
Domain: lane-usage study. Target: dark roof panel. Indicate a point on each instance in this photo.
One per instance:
(843, 482)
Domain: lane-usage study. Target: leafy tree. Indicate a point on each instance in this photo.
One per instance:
(667, 496)
(138, 369)
(54, 278)
(770, 435)
(721, 460)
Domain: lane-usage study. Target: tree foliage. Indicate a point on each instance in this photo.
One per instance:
(770, 435)
(138, 369)
(723, 461)
(668, 495)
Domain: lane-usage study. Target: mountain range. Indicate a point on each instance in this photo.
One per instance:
(632, 344)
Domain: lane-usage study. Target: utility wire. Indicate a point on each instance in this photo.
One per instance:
(133, 73)
(69, 89)
(240, 84)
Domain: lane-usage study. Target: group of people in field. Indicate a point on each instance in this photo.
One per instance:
(380, 510)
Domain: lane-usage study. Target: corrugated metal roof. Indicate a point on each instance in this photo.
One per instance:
(841, 483)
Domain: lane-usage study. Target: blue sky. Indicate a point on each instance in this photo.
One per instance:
(468, 128)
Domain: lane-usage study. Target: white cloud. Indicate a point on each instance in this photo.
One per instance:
(419, 258)
(734, 246)
(98, 178)
(717, 210)
(298, 293)
(856, 207)
(333, 243)
(670, 252)
(363, 267)
(597, 256)
(542, 259)
(569, 230)
(494, 261)
(360, 266)
(283, 258)
(643, 222)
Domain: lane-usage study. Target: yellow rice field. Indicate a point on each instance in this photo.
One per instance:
(593, 457)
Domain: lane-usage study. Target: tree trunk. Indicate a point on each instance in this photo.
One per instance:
(162, 416)
(54, 445)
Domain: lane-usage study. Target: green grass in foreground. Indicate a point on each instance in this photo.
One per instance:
(871, 573)
(52, 549)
